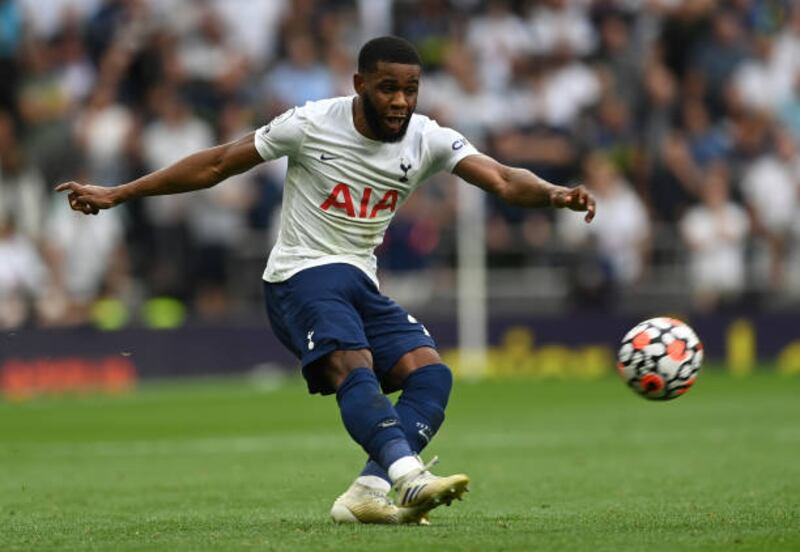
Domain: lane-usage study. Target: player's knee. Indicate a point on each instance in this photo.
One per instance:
(336, 366)
(409, 363)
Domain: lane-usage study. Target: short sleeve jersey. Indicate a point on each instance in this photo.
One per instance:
(342, 189)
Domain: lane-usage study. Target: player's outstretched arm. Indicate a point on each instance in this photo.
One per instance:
(521, 187)
(199, 170)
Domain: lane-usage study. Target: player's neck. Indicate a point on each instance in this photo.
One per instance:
(360, 120)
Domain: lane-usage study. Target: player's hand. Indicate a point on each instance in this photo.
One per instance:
(575, 199)
(86, 198)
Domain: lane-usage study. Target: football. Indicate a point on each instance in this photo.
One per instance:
(660, 358)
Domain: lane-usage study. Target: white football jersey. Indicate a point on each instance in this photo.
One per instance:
(342, 189)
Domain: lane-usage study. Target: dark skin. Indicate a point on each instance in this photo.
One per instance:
(392, 90)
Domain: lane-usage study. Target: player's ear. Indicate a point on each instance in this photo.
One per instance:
(358, 83)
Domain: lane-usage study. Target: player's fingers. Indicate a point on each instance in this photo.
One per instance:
(591, 209)
(71, 186)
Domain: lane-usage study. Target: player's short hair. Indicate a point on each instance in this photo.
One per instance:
(390, 49)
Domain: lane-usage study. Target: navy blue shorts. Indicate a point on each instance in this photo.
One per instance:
(337, 307)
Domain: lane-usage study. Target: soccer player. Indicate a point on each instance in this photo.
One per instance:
(353, 161)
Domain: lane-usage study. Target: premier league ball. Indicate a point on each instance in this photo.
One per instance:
(660, 358)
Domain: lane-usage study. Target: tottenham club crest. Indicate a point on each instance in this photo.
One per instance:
(405, 166)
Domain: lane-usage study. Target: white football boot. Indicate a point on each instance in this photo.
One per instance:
(364, 504)
(419, 492)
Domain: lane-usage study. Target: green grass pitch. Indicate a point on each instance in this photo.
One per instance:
(231, 465)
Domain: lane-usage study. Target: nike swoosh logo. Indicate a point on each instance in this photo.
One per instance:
(328, 157)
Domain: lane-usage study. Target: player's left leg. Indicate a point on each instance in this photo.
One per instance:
(364, 409)
(405, 358)
(425, 383)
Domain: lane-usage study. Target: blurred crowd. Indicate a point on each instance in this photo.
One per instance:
(682, 116)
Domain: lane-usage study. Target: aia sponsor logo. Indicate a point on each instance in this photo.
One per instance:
(342, 198)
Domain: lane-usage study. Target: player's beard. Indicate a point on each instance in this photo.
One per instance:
(374, 122)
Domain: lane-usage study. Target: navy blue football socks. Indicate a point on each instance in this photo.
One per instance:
(421, 409)
(370, 418)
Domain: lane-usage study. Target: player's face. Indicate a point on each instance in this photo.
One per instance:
(389, 97)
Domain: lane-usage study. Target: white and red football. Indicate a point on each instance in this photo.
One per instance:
(660, 358)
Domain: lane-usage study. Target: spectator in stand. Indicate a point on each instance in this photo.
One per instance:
(23, 197)
(11, 31)
(787, 57)
(456, 96)
(750, 133)
(254, 27)
(75, 70)
(299, 78)
(561, 26)
(44, 105)
(175, 133)
(787, 44)
(557, 89)
(23, 273)
(375, 18)
(427, 26)
(105, 132)
(789, 112)
(716, 58)
(765, 81)
(619, 59)
(707, 142)
(676, 180)
(499, 39)
(213, 68)
(622, 238)
(680, 26)
(715, 232)
(612, 132)
(654, 125)
(47, 23)
(771, 187)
